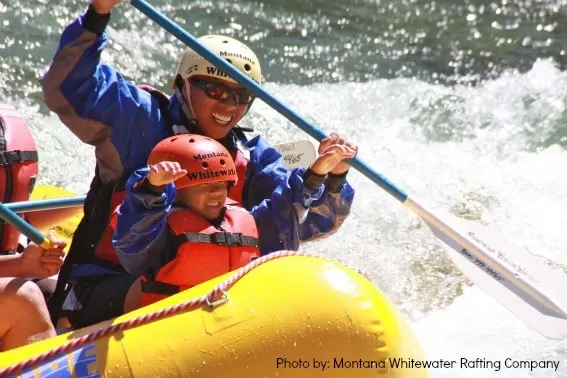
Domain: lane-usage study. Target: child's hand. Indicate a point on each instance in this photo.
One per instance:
(165, 172)
(332, 151)
(337, 140)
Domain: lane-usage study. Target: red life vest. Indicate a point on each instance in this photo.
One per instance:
(104, 252)
(204, 251)
(18, 168)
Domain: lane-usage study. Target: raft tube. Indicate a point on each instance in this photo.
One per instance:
(62, 221)
(283, 315)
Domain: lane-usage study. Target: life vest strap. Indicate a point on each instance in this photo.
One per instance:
(239, 131)
(219, 238)
(16, 157)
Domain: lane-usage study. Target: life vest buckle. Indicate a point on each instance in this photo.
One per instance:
(10, 158)
(17, 157)
(227, 238)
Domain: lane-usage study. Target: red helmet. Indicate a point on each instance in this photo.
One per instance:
(205, 159)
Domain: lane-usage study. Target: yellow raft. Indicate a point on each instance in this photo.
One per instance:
(65, 229)
(284, 315)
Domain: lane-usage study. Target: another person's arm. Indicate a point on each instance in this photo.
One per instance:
(281, 217)
(266, 172)
(34, 261)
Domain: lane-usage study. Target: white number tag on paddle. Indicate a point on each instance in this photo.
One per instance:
(301, 153)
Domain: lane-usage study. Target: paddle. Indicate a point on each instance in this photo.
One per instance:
(24, 227)
(528, 288)
(46, 204)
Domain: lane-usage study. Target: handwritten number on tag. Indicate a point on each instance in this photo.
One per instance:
(292, 158)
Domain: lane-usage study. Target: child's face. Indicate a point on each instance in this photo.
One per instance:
(205, 199)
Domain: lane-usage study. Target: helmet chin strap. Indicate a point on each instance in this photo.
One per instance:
(185, 102)
(187, 107)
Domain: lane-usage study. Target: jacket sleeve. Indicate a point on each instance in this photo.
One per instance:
(266, 171)
(140, 232)
(327, 214)
(96, 102)
(279, 217)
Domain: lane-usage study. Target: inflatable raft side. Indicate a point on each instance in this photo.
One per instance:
(289, 316)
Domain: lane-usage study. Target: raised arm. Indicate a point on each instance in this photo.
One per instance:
(326, 214)
(140, 226)
(96, 102)
(281, 218)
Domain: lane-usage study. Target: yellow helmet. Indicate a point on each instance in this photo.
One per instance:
(234, 51)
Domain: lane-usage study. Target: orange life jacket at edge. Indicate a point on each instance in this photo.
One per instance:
(18, 168)
(204, 251)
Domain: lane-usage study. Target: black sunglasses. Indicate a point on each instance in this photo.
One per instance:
(220, 92)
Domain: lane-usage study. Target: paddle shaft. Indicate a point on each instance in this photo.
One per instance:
(259, 92)
(24, 227)
(46, 204)
(465, 244)
(312, 130)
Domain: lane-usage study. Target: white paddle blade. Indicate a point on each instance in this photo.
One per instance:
(301, 153)
(539, 297)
